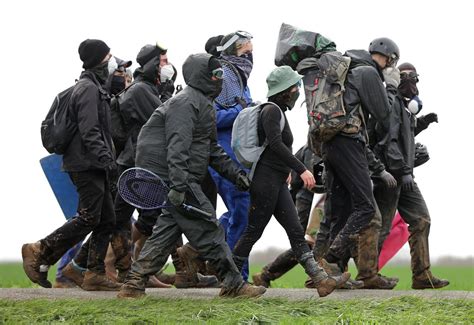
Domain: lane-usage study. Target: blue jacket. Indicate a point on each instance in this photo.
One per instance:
(225, 118)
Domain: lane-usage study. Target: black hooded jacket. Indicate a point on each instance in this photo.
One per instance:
(397, 149)
(91, 146)
(364, 88)
(179, 141)
(137, 104)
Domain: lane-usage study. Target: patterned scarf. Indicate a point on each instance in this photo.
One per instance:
(242, 64)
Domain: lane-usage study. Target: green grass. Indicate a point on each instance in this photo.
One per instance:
(404, 310)
(461, 278)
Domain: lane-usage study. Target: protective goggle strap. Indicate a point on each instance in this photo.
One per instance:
(231, 41)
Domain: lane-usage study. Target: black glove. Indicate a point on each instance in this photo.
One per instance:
(430, 118)
(388, 179)
(241, 102)
(407, 182)
(176, 198)
(242, 182)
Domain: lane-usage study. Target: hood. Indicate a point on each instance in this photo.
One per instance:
(361, 58)
(148, 71)
(196, 73)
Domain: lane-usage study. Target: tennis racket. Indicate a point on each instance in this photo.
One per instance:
(145, 190)
(232, 86)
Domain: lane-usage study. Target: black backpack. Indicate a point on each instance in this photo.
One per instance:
(57, 129)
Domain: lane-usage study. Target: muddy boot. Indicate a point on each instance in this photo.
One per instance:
(99, 282)
(184, 280)
(154, 282)
(322, 282)
(130, 292)
(342, 281)
(262, 279)
(64, 284)
(73, 273)
(36, 272)
(244, 290)
(352, 284)
(190, 258)
(390, 278)
(330, 268)
(428, 281)
(378, 282)
(166, 278)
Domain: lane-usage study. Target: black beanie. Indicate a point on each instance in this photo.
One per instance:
(92, 52)
(406, 66)
(212, 44)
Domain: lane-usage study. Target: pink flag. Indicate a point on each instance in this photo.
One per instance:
(396, 239)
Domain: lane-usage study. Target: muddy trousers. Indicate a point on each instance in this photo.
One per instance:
(203, 233)
(269, 195)
(413, 210)
(95, 214)
(288, 260)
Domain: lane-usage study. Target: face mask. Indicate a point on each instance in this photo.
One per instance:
(117, 84)
(292, 100)
(248, 56)
(415, 105)
(408, 88)
(112, 65)
(166, 73)
(101, 72)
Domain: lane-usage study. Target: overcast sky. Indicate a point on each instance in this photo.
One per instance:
(39, 56)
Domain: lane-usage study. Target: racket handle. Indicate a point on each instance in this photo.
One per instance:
(190, 208)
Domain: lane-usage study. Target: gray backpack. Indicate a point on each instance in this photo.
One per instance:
(245, 143)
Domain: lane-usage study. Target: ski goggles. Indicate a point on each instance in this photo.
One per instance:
(409, 75)
(237, 35)
(218, 73)
(392, 60)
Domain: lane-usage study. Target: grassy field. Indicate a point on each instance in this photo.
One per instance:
(461, 278)
(402, 310)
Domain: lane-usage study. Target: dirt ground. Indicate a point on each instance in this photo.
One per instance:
(292, 294)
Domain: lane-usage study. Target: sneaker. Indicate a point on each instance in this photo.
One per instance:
(378, 282)
(73, 274)
(428, 281)
(98, 282)
(36, 272)
(261, 279)
(245, 290)
(130, 292)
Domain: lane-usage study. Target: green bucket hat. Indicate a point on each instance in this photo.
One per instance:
(280, 79)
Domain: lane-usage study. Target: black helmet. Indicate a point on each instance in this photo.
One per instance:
(386, 47)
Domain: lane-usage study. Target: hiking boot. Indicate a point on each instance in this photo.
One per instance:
(378, 282)
(166, 278)
(190, 258)
(261, 279)
(428, 281)
(154, 282)
(326, 286)
(184, 280)
(64, 284)
(245, 290)
(341, 281)
(352, 285)
(36, 272)
(330, 268)
(130, 292)
(73, 274)
(390, 278)
(99, 282)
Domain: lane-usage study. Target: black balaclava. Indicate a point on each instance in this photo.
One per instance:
(285, 99)
(408, 88)
(101, 71)
(117, 84)
(217, 84)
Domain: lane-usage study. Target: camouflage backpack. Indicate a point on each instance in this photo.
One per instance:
(324, 79)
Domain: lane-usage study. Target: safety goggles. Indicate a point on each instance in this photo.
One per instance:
(409, 75)
(238, 35)
(218, 73)
(392, 60)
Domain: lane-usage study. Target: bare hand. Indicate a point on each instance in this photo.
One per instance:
(308, 179)
(288, 180)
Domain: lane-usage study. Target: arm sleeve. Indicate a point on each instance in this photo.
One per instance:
(179, 127)
(89, 125)
(421, 125)
(225, 117)
(271, 116)
(220, 161)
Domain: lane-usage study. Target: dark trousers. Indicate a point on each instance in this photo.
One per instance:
(204, 234)
(413, 210)
(269, 195)
(95, 213)
(288, 260)
(349, 188)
